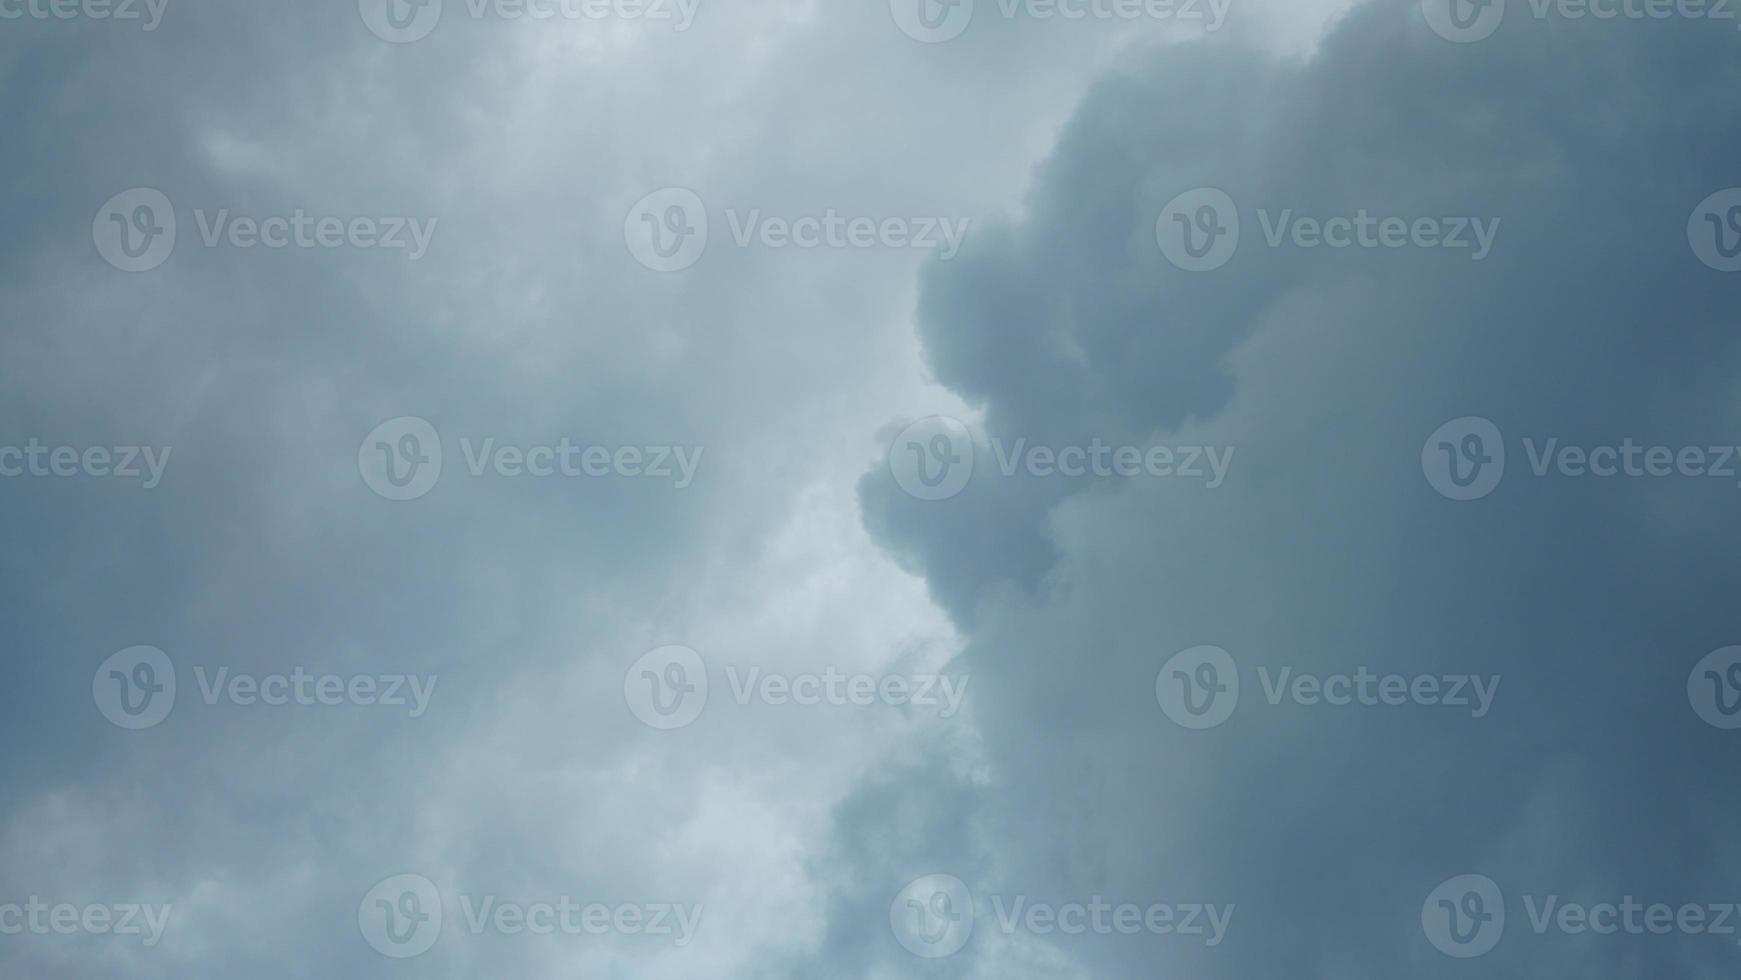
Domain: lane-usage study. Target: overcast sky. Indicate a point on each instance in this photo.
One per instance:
(869, 489)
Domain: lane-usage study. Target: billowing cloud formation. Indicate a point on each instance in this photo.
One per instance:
(1582, 146)
(518, 145)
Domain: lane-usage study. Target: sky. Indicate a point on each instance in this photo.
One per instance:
(876, 489)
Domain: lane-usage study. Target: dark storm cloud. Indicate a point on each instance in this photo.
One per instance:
(1592, 321)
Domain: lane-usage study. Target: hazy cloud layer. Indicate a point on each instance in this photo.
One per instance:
(516, 608)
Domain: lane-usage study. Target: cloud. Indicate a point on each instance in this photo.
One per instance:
(1326, 550)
